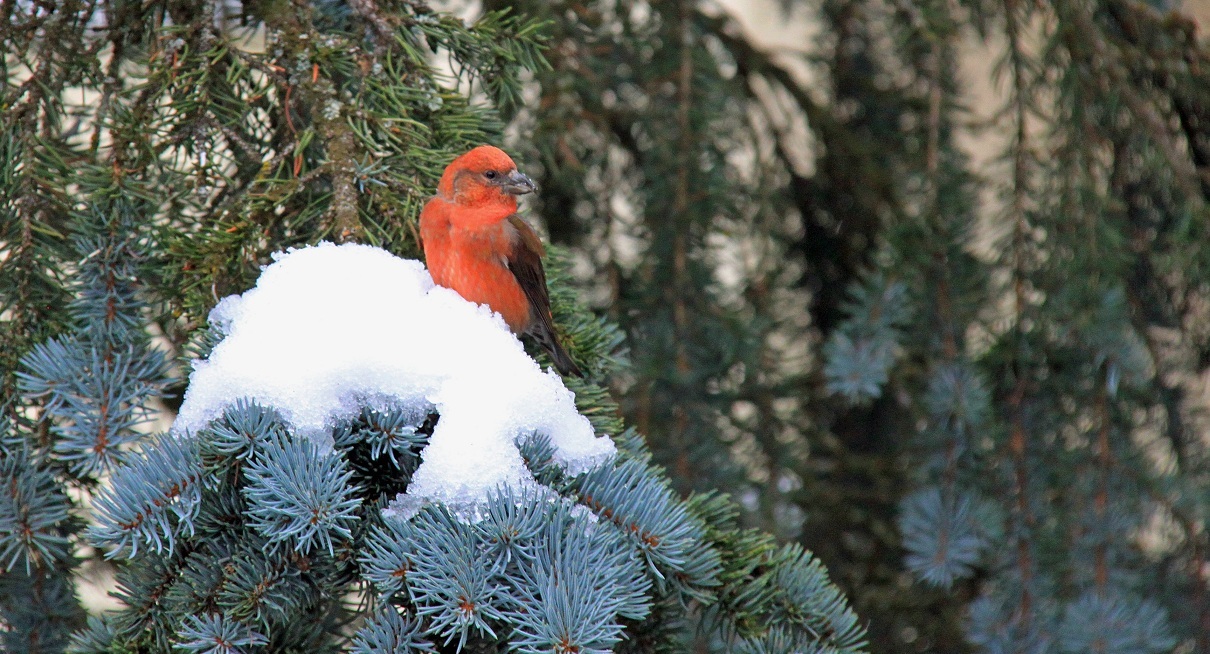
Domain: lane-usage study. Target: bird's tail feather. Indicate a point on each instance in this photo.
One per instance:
(562, 360)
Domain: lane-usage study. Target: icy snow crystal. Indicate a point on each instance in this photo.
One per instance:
(330, 328)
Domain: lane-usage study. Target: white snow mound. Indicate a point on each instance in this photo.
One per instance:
(330, 328)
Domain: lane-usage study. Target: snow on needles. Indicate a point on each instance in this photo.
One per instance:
(331, 328)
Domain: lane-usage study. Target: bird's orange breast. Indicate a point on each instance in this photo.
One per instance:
(474, 262)
(485, 282)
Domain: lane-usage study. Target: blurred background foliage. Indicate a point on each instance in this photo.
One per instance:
(926, 293)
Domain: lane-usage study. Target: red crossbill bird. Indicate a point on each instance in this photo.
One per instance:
(475, 244)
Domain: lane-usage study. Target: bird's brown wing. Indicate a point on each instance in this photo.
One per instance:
(525, 263)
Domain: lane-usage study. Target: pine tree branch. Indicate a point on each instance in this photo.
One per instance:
(1101, 496)
(679, 290)
(751, 60)
(1116, 80)
(383, 25)
(1193, 528)
(1141, 27)
(1018, 435)
(318, 93)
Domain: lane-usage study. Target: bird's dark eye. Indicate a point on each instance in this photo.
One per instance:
(491, 174)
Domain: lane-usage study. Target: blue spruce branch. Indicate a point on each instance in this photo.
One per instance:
(33, 516)
(390, 632)
(153, 501)
(632, 496)
(213, 634)
(300, 497)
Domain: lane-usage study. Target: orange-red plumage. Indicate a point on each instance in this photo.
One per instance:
(476, 244)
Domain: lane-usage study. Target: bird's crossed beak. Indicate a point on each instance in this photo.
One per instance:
(518, 184)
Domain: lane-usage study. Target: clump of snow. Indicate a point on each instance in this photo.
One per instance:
(331, 328)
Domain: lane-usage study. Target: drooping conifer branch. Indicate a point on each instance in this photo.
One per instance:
(1018, 442)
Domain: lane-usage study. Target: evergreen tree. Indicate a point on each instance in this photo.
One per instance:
(995, 393)
(742, 204)
(1054, 458)
(154, 164)
(918, 366)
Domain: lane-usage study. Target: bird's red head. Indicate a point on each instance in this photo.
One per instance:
(485, 175)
